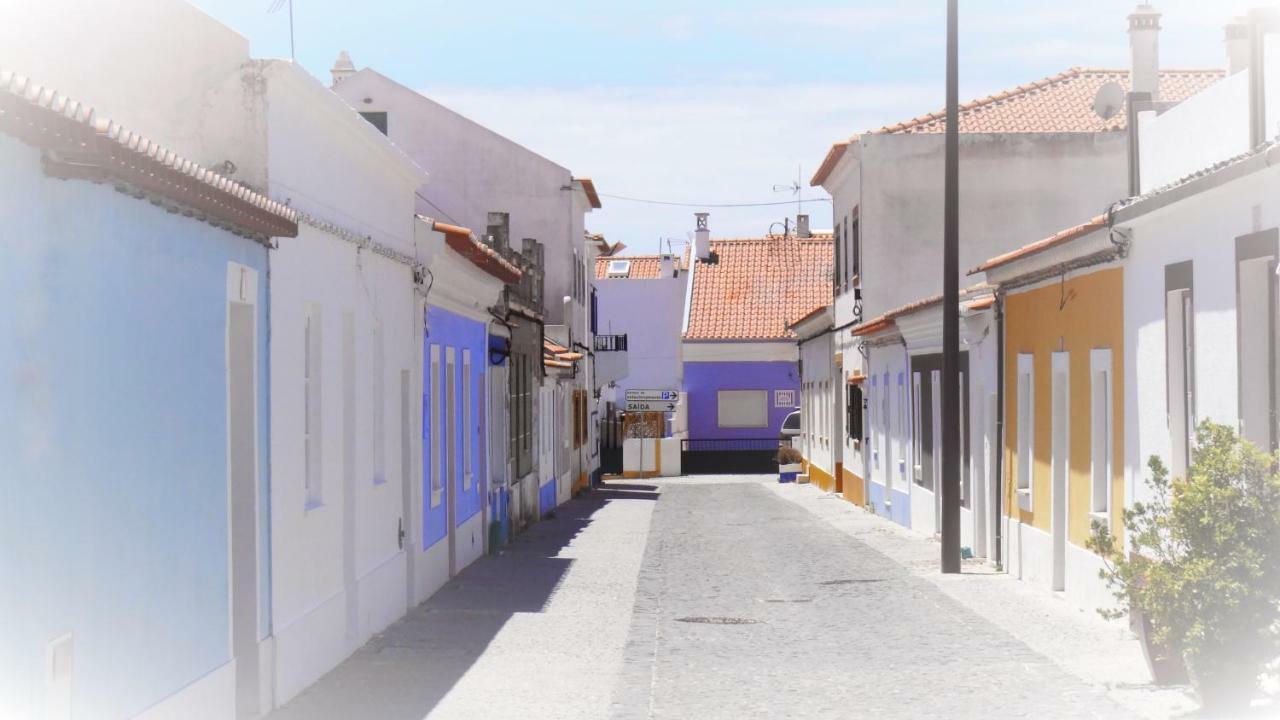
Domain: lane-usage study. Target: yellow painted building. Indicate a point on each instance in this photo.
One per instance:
(1073, 316)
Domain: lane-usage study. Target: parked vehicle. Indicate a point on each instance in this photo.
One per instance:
(790, 427)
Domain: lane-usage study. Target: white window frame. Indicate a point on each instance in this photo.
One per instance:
(1101, 433)
(763, 396)
(1025, 392)
(379, 405)
(467, 430)
(451, 415)
(437, 462)
(312, 430)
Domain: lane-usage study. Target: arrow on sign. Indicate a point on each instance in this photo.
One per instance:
(650, 406)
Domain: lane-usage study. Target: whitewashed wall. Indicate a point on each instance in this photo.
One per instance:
(338, 571)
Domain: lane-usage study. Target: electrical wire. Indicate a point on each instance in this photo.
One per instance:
(712, 205)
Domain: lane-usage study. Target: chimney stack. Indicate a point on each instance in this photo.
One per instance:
(702, 237)
(666, 266)
(342, 68)
(802, 226)
(499, 230)
(1237, 41)
(1144, 49)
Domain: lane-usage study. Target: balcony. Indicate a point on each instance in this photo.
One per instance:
(611, 343)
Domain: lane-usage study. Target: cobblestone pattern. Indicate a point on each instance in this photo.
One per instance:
(843, 633)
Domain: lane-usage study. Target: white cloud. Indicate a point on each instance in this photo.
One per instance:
(707, 144)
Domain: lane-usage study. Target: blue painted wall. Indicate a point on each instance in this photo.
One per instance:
(703, 380)
(546, 497)
(448, 329)
(113, 468)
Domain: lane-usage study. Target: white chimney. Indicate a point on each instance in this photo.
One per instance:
(802, 226)
(702, 237)
(1144, 48)
(1237, 41)
(666, 266)
(342, 68)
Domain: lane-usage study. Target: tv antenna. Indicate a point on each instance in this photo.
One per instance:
(275, 7)
(796, 188)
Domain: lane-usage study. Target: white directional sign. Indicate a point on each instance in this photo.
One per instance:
(651, 406)
(653, 395)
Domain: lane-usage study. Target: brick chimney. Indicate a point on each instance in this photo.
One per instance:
(802, 226)
(1144, 51)
(702, 237)
(498, 229)
(1237, 42)
(342, 68)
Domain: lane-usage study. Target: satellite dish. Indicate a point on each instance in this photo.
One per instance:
(1109, 100)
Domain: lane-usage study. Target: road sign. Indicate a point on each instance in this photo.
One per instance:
(653, 395)
(650, 406)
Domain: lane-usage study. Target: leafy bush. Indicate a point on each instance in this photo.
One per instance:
(788, 455)
(1203, 560)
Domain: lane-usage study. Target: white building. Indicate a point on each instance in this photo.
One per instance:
(541, 200)
(1033, 159)
(345, 358)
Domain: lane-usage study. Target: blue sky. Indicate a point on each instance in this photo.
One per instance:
(707, 102)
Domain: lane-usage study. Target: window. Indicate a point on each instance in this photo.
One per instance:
(917, 431)
(433, 401)
(964, 442)
(872, 428)
(450, 416)
(853, 412)
(784, 399)
(742, 408)
(1179, 364)
(1100, 430)
(853, 263)
(376, 119)
(467, 430)
(406, 430)
(839, 259)
(311, 437)
(522, 399)
(902, 424)
(379, 407)
(1026, 428)
(1256, 336)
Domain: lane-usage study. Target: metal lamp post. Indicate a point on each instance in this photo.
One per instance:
(951, 314)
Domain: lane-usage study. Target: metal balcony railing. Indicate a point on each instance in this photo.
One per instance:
(611, 343)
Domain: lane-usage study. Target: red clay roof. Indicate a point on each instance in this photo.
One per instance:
(482, 256)
(92, 147)
(1061, 103)
(589, 188)
(1058, 238)
(758, 285)
(643, 267)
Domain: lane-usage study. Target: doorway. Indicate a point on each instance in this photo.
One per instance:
(1060, 451)
(242, 471)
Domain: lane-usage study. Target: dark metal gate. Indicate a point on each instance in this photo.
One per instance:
(611, 435)
(739, 456)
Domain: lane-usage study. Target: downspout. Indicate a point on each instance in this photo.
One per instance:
(999, 307)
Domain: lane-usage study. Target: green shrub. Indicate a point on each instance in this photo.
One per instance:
(1203, 560)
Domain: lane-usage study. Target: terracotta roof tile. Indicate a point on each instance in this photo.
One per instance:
(758, 286)
(643, 267)
(1061, 103)
(1058, 238)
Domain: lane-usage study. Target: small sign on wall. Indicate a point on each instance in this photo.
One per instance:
(784, 398)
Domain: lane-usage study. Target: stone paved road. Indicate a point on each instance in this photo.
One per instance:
(842, 633)
(598, 613)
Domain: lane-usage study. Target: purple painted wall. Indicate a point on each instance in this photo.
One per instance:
(702, 380)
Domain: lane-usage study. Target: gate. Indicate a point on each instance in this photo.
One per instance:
(738, 456)
(611, 436)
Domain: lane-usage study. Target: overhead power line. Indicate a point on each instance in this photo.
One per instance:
(710, 205)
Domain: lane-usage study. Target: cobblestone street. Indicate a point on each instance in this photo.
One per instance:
(728, 597)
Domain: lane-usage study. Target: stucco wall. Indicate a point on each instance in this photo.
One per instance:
(650, 314)
(1014, 189)
(1201, 229)
(1218, 119)
(113, 388)
(1080, 314)
(703, 380)
(478, 171)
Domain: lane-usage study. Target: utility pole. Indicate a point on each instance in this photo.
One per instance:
(951, 313)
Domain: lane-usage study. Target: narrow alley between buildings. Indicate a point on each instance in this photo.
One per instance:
(714, 597)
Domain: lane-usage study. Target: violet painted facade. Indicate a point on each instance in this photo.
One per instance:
(704, 382)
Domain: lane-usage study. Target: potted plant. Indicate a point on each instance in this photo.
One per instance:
(790, 463)
(1203, 566)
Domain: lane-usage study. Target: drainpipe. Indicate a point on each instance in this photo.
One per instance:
(999, 554)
